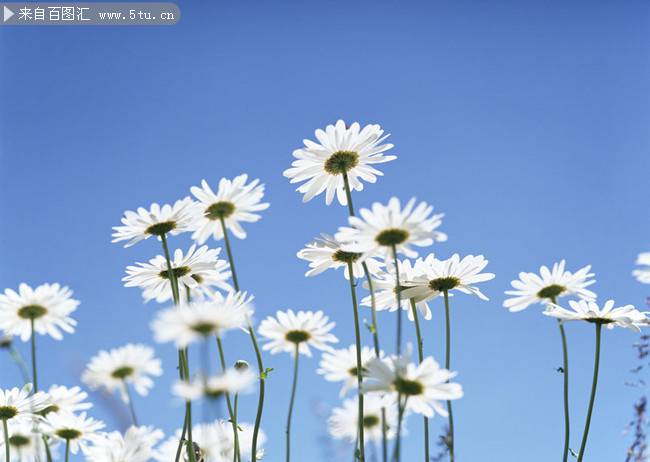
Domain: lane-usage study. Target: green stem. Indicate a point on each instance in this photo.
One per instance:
(451, 443)
(357, 333)
(170, 270)
(67, 450)
(7, 448)
(33, 342)
(293, 396)
(48, 452)
(231, 414)
(400, 418)
(258, 353)
(398, 297)
(592, 398)
(565, 375)
(418, 335)
(235, 403)
(180, 442)
(20, 362)
(373, 308)
(129, 396)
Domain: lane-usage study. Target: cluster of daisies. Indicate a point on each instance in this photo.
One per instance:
(381, 250)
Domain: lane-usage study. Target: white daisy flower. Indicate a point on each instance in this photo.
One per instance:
(377, 230)
(77, 430)
(189, 323)
(302, 329)
(49, 307)
(433, 277)
(344, 421)
(384, 283)
(230, 381)
(25, 443)
(341, 366)
(214, 442)
(157, 221)
(325, 252)
(643, 274)
(136, 445)
(234, 202)
(340, 150)
(19, 404)
(132, 364)
(199, 270)
(66, 400)
(423, 386)
(582, 310)
(549, 285)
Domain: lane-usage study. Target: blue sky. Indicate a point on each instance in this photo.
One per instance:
(525, 122)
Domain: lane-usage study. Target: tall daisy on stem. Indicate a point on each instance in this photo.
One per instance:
(546, 288)
(294, 333)
(160, 222)
(43, 310)
(439, 277)
(343, 156)
(235, 201)
(608, 315)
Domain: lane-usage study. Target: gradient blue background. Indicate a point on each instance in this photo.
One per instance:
(525, 122)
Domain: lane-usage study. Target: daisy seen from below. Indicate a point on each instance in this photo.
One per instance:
(341, 366)
(25, 443)
(385, 288)
(66, 400)
(343, 422)
(326, 252)
(549, 285)
(214, 442)
(295, 332)
(196, 321)
(231, 381)
(20, 404)
(137, 444)
(642, 274)
(434, 277)
(198, 272)
(156, 221)
(233, 203)
(76, 430)
(609, 315)
(132, 365)
(341, 159)
(545, 288)
(382, 228)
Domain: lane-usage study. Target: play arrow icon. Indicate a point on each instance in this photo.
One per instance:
(7, 14)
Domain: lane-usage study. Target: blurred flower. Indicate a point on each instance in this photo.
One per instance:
(377, 230)
(66, 400)
(344, 421)
(234, 202)
(188, 323)
(25, 443)
(582, 310)
(340, 150)
(132, 364)
(20, 405)
(49, 306)
(199, 270)
(433, 277)
(74, 429)
(423, 386)
(136, 445)
(325, 252)
(230, 381)
(385, 288)
(549, 285)
(214, 442)
(157, 221)
(643, 274)
(341, 366)
(303, 329)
